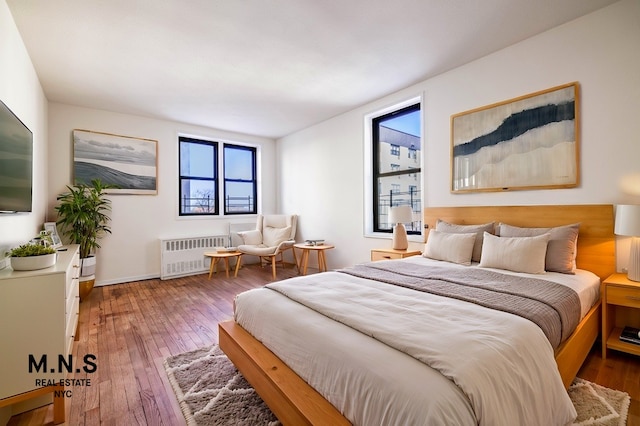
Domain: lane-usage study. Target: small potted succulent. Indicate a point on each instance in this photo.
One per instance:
(29, 257)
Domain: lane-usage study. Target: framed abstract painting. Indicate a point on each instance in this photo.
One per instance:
(129, 164)
(530, 142)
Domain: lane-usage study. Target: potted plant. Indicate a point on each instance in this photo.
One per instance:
(29, 257)
(83, 219)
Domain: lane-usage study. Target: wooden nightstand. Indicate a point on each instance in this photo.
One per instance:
(386, 254)
(620, 307)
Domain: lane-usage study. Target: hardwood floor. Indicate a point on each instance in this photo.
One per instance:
(131, 328)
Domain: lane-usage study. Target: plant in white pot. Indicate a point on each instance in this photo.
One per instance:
(29, 257)
(83, 216)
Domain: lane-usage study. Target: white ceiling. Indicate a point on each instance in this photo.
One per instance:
(263, 67)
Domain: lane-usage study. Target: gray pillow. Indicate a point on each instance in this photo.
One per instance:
(561, 249)
(479, 230)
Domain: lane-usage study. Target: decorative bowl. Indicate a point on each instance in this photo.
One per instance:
(31, 263)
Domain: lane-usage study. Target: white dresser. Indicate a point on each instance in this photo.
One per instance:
(38, 319)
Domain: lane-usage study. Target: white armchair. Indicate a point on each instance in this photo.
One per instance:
(274, 234)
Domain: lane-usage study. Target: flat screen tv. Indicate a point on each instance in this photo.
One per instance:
(16, 163)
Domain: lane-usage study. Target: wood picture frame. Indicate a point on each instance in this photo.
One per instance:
(529, 142)
(128, 163)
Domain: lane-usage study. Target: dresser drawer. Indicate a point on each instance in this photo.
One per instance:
(72, 320)
(73, 272)
(623, 296)
(71, 305)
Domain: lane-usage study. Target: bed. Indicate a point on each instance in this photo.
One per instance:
(365, 391)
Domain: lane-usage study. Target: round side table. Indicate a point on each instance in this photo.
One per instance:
(304, 260)
(216, 256)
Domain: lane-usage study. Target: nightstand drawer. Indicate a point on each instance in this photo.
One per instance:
(377, 255)
(387, 254)
(623, 296)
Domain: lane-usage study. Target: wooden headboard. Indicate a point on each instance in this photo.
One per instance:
(596, 241)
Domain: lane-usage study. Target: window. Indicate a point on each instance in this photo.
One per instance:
(412, 154)
(200, 183)
(198, 177)
(240, 188)
(395, 165)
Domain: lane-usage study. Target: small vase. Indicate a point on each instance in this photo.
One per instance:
(31, 263)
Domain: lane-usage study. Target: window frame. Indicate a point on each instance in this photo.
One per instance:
(371, 177)
(253, 180)
(220, 179)
(215, 178)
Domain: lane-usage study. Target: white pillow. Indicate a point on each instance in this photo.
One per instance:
(274, 236)
(456, 248)
(251, 238)
(561, 250)
(519, 254)
(478, 230)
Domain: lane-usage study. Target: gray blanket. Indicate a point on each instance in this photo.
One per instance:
(553, 307)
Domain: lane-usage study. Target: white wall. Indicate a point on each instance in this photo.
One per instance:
(321, 167)
(132, 251)
(20, 90)
(319, 170)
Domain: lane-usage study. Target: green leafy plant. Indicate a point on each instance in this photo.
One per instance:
(31, 250)
(83, 215)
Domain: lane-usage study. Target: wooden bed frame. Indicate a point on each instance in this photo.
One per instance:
(293, 401)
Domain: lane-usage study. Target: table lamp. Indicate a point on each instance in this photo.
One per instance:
(399, 216)
(628, 224)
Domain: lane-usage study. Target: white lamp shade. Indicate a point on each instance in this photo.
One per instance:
(401, 214)
(627, 220)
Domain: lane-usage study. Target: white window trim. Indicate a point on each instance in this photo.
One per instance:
(368, 167)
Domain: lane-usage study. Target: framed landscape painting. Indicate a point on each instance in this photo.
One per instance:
(530, 142)
(129, 164)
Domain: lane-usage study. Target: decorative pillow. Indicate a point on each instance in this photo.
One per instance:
(456, 248)
(519, 254)
(273, 236)
(562, 247)
(251, 238)
(479, 230)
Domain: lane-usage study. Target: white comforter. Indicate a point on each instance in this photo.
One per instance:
(432, 360)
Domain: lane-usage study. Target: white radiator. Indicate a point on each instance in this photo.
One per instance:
(185, 256)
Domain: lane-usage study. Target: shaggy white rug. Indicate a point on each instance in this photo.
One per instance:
(597, 405)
